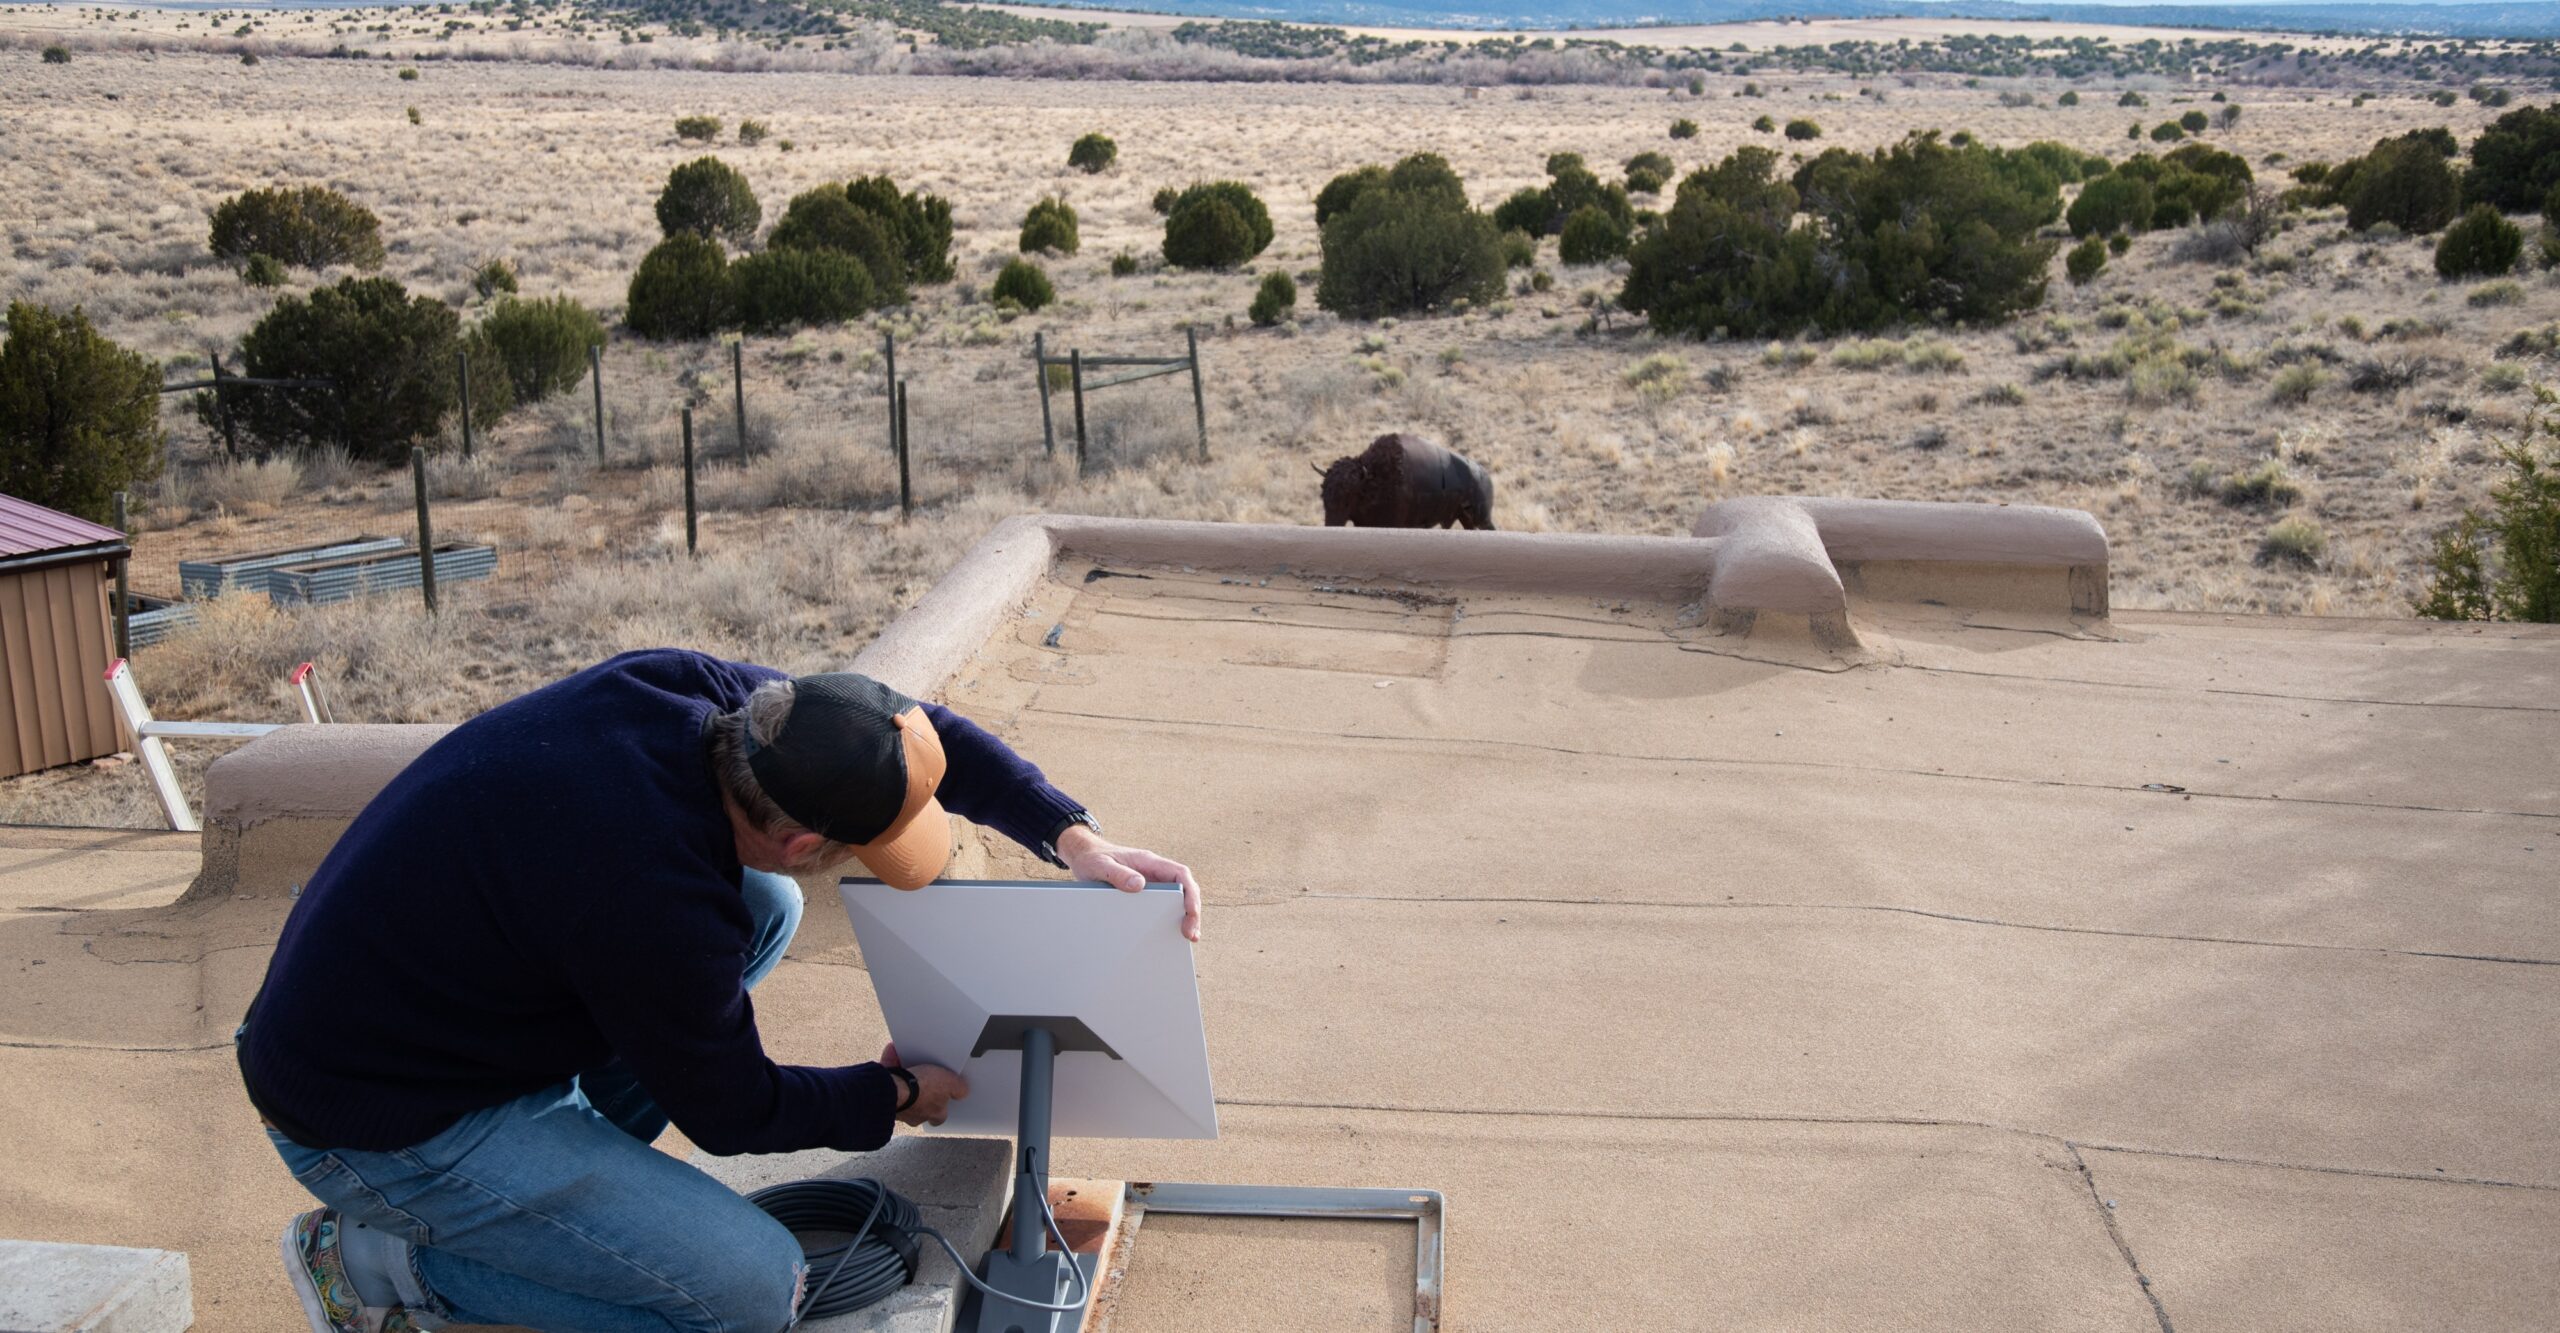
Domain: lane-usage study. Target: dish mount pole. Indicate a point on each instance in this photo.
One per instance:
(1030, 1269)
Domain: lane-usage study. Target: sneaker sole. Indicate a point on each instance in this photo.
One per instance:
(299, 1273)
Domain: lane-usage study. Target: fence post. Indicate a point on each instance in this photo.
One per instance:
(691, 532)
(889, 352)
(124, 599)
(1075, 373)
(426, 527)
(906, 489)
(465, 359)
(1199, 401)
(738, 379)
(1040, 366)
(595, 373)
(222, 408)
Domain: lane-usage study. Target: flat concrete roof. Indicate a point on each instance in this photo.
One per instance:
(1968, 989)
(2009, 972)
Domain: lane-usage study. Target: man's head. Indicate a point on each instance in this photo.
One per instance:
(833, 766)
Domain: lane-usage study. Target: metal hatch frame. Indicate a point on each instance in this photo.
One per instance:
(1424, 1208)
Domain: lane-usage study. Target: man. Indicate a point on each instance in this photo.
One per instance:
(533, 949)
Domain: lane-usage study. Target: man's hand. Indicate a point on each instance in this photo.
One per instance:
(1130, 869)
(936, 1089)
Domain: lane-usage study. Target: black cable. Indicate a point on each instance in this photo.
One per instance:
(883, 1254)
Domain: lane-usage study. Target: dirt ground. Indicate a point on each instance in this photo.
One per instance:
(114, 160)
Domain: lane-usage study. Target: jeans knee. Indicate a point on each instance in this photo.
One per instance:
(773, 903)
(756, 1290)
(760, 1304)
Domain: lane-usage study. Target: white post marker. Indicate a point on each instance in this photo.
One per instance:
(313, 710)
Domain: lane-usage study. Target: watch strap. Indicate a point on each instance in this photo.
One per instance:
(1048, 849)
(913, 1090)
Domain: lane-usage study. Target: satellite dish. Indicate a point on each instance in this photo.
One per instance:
(964, 968)
(1071, 1008)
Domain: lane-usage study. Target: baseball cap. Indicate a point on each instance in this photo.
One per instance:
(859, 762)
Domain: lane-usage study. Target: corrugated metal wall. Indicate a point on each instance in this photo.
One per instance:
(55, 642)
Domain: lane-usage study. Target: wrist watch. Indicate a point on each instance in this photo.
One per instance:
(1049, 846)
(914, 1089)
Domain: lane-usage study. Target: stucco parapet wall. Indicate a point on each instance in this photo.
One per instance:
(1759, 563)
(1773, 561)
(925, 646)
(1764, 563)
(2038, 556)
(307, 771)
(274, 807)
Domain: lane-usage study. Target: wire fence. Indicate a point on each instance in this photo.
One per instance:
(348, 567)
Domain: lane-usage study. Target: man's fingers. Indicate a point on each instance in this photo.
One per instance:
(1181, 874)
(889, 1055)
(1130, 869)
(1166, 869)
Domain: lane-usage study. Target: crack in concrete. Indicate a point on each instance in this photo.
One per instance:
(2107, 1217)
(2244, 694)
(181, 845)
(1903, 1121)
(87, 903)
(1638, 640)
(1832, 669)
(1644, 633)
(89, 947)
(2365, 1172)
(1957, 917)
(110, 1048)
(1814, 764)
(1645, 636)
(1390, 631)
(2078, 633)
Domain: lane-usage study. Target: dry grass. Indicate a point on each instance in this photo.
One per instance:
(453, 477)
(806, 469)
(252, 486)
(553, 167)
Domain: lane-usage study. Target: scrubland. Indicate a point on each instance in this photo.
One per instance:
(2331, 381)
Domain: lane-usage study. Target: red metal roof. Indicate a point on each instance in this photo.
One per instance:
(27, 528)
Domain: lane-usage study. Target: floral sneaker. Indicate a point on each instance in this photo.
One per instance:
(319, 1276)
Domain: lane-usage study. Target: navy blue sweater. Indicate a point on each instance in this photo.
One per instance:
(552, 885)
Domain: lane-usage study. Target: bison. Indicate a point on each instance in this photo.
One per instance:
(1406, 481)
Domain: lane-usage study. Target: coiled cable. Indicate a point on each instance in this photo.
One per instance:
(879, 1258)
(883, 1254)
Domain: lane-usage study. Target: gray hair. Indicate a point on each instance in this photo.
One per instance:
(762, 717)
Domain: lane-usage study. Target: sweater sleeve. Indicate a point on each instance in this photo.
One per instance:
(985, 782)
(664, 989)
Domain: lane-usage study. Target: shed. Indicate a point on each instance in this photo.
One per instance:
(56, 637)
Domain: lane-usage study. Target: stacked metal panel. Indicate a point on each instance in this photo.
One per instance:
(250, 572)
(353, 576)
(155, 618)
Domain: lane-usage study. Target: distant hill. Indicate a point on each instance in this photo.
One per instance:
(2536, 21)
(2465, 20)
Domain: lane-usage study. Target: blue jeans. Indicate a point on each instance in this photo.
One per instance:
(552, 1211)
